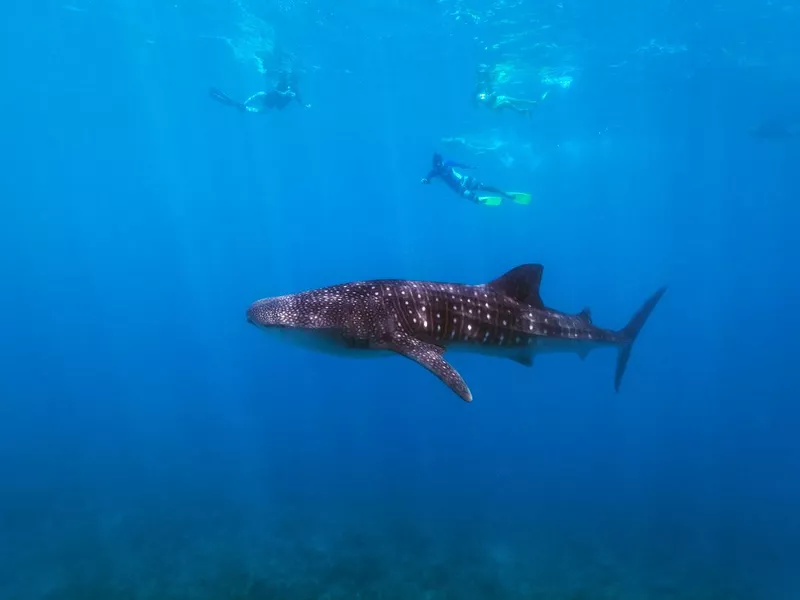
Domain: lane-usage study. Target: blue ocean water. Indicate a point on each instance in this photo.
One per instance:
(153, 445)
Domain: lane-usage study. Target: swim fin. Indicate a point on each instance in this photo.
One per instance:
(520, 197)
(490, 200)
(223, 98)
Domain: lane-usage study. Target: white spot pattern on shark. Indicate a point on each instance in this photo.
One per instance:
(400, 316)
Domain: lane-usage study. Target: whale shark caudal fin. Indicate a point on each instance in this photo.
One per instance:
(629, 333)
(522, 284)
(430, 357)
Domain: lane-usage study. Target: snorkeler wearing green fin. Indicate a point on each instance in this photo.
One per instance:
(468, 187)
(279, 97)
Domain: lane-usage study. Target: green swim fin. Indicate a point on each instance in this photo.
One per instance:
(520, 197)
(490, 200)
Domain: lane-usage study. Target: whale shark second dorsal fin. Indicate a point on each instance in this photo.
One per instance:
(586, 315)
(522, 284)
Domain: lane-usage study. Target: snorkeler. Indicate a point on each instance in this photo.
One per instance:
(486, 95)
(468, 187)
(279, 97)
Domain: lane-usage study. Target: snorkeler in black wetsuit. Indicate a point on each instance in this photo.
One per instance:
(279, 97)
(468, 187)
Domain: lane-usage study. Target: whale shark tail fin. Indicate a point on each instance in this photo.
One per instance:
(629, 333)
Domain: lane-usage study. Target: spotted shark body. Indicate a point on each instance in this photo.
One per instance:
(421, 320)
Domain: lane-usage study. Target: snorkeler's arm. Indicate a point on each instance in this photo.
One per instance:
(300, 102)
(247, 103)
(254, 97)
(452, 163)
(429, 176)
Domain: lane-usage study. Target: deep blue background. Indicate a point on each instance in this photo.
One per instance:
(152, 444)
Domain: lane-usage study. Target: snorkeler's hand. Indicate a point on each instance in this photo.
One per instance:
(424, 180)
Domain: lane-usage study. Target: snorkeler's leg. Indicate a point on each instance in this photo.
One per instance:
(472, 196)
(223, 98)
(523, 106)
(518, 197)
(521, 102)
(506, 103)
(494, 190)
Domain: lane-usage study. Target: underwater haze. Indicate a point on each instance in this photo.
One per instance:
(154, 445)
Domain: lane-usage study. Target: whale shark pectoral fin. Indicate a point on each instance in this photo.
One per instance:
(523, 358)
(430, 357)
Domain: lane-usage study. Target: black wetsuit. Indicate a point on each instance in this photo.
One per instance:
(463, 185)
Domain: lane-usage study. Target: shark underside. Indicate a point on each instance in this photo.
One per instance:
(421, 320)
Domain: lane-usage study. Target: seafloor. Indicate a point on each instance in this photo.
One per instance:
(219, 554)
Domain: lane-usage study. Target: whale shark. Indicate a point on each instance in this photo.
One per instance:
(421, 320)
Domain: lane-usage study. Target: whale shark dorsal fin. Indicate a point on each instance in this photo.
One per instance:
(586, 315)
(430, 357)
(522, 284)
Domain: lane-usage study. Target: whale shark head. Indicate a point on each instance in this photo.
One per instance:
(313, 320)
(317, 309)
